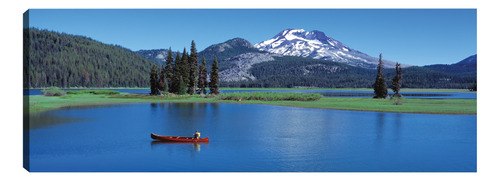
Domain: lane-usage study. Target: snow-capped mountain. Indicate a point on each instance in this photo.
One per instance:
(316, 45)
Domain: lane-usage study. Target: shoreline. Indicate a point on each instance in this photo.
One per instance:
(39, 103)
(335, 89)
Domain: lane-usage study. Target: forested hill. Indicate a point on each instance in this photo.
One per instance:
(466, 67)
(63, 60)
(228, 49)
(289, 71)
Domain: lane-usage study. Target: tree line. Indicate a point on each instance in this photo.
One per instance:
(288, 72)
(183, 75)
(63, 60)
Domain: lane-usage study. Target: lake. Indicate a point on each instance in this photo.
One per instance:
(248, 138)
(325, 93)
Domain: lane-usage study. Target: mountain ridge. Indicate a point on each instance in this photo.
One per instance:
(466, 66)
(317, 45)
(227, 49)
(253, 68)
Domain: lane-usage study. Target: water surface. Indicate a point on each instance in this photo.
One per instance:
(325, 93)
(249, 138)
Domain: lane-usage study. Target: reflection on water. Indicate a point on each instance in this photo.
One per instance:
(59, 116)
(393, 123)
(245, 137)
(397, 126)
(380, 125)
(72, 107)
(45, 119)
(187, 117)
(168, 145)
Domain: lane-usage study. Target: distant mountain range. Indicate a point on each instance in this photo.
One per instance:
(290, 42)
(58, 59)
(227, 49)
(467, 66)
(297, 58)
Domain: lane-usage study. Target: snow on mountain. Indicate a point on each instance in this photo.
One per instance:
(316, 45)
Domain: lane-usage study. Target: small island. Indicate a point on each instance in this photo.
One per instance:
(431, 106)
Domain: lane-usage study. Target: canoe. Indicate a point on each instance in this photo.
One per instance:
(177, 138)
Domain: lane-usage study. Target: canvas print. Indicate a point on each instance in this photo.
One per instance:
(250, 90)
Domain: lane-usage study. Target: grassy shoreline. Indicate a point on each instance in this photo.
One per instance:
(357, 89)
(39, 103)
(339, 89)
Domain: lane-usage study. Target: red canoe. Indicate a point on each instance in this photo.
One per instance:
(177, 138)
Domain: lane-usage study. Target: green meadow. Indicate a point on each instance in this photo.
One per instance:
(355, 89)
(38, 103)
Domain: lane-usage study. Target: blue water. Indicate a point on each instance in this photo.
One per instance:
(249, 138)
(325, 93)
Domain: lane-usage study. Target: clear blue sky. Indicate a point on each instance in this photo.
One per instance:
(410, 36)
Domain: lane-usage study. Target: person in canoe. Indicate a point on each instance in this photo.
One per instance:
(197, 135)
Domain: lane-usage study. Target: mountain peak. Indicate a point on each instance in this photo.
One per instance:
(291, 34)
(317, 45)
(227, 49)
(290, 31)
(239, 42)
(307, 43)
(471, 60)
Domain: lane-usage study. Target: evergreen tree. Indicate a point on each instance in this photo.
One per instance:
(474, 87)
(184, 64)
(193, 66)
(162, 84)
(380, 86)
(169, 71)
(153, 79)
(396, 81)
(214, 78)
(182, 87)
(202, 79)
(177, 74)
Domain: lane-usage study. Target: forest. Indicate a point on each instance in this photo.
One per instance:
(291, 72)
(63, 60)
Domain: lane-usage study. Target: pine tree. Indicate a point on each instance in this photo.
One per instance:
(169, 71)
(396, 81)
(162, 81)
(202, 79)
(184, 63)
(193, 66)
(474, 87)
(380, 86)
(177, 74)
(153, 79)
(182, 87)
(214, 78)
